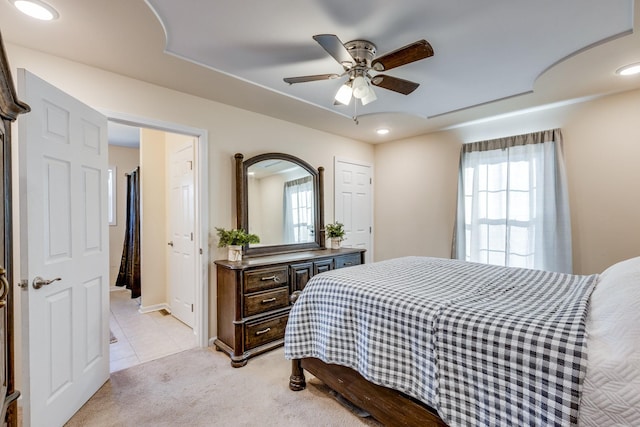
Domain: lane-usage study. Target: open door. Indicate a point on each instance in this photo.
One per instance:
(64, 252)
(181, 212)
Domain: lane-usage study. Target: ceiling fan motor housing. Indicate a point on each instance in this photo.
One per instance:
(362, 51)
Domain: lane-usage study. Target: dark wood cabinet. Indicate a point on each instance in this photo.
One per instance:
(300, 275)
(10, 108)
(254, 297)
(325, 265)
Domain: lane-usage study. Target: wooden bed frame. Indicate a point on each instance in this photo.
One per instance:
(390, 407)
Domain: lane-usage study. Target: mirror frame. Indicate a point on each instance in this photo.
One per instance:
(242, 203)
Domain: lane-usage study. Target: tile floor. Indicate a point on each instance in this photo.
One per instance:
(143, 337)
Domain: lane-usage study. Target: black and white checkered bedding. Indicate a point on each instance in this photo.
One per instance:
(484, 345)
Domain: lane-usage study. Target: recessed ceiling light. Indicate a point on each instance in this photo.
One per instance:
(36, 9)
(629, 70)
(382, 131)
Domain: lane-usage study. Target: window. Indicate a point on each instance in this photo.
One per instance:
(512, 204)
(298, 208)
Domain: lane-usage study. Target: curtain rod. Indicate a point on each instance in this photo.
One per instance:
(135, 170)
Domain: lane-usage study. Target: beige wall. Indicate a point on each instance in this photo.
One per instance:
(153, 224)
(602, 154)
(125, 160)
(230, 130)
(267, 192)
(416, 181)
(415, 187)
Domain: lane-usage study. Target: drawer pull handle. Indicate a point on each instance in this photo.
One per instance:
(274, 278)
(264, 331)
(348, 263)
(267, 301)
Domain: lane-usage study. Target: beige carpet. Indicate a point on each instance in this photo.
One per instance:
(198, 387)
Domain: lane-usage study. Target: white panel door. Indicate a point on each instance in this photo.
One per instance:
(353, 204)
(64, 245)
(182, 258)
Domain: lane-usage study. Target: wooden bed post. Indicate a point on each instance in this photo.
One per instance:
(297, 381)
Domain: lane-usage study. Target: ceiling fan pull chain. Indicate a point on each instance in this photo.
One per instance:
(355, 111)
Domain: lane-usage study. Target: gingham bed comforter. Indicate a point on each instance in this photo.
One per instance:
(483, 345)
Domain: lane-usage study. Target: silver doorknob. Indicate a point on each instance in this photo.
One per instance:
(39, 282)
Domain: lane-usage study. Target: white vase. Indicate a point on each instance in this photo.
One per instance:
(335, 243)
(235, 253)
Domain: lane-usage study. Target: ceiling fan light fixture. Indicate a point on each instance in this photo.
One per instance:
(360, 87)
(36, 9)
(369, 97)
(343, 96)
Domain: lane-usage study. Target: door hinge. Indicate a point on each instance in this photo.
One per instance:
(370, 180)
(369, 229)
(200, 251)
(192, 308)
(192, 237)
(24, 283)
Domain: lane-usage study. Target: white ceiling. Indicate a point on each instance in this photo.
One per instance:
(123, 135)
(491, 57)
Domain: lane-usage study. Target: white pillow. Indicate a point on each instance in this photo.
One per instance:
(611, 388)
(615, 303)
(622, 268)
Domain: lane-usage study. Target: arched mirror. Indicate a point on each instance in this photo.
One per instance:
(280, 198)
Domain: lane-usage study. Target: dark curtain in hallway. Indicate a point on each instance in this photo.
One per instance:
(129, 274)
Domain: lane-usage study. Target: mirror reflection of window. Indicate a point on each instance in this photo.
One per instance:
(298, 211)
(273, 215)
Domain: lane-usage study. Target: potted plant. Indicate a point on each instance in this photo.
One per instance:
(336, 233)
(235, 239)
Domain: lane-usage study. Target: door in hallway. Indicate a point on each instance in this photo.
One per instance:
(353, 203)
(181, 211)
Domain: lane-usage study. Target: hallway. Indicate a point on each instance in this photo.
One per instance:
(143, 337)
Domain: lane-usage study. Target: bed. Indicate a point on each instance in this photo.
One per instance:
(429, 341)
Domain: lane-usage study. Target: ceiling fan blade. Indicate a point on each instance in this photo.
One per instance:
(334, 47)
(405, 55)
(303, 79)
(395, 84)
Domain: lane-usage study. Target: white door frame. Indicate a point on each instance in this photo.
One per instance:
(337, 159)
(201, 322)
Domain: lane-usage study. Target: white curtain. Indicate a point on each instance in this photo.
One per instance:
(298, 211)
(513, 206)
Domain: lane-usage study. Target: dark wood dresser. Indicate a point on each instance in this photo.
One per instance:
(10, 108)
(254, 297)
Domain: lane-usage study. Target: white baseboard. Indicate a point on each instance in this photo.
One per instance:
(155, 307)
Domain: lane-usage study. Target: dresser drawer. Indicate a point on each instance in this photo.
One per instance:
(347, 260)
(258, 333)
(322, 266)
(266, 301)
(267, 278)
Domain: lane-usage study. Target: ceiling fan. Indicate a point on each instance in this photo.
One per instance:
(357, 57)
